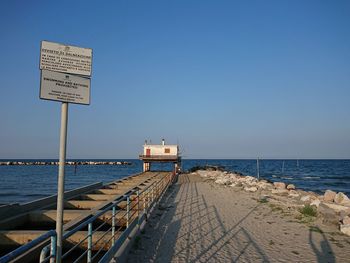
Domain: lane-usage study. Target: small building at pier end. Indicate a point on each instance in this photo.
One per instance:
(160, 153)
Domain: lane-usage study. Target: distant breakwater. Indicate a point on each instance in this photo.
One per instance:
(67, 163)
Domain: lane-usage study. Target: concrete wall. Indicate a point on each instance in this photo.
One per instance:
(161, 149)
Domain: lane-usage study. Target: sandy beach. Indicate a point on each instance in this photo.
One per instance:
(200, 221)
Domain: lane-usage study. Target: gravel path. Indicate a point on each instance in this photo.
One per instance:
(198, 221)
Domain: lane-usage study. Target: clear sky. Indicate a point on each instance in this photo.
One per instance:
(224, 79)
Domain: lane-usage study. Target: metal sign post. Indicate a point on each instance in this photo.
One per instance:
(60, 190)
(65, 77)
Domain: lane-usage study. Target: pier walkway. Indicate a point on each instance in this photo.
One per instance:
(199, 221)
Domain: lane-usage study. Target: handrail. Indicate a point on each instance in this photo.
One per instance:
(101, 212)
(148, 196)
(22, 249)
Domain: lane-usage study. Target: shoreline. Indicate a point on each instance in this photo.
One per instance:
(333, 208)
(12, 163)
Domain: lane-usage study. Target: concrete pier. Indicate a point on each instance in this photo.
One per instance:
(19, 224)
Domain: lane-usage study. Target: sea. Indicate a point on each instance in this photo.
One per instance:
(21, 184)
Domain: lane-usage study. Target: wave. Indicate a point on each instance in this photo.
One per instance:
(337, 177)
(39, 195)
(287, 177)
(10, 194)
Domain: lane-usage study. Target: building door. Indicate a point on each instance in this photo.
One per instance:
(148, 152)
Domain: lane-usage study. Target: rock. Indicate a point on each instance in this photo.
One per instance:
(345, 229)
(293, 194)
(329, 216)
(291, 187)
(279, 185)
(338, 208)
(341, 198)
(249, 180)
(305, 198)
(223, 180)
(237, 184)
(202, 173)
(342, 215)
(251, 189)
(315, 202)
(329, 196)
(233, 177)
(264, 185)
(279, 191)
(346, 220)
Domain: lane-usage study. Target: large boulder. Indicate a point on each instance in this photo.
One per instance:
(329, 215)
(345, 229)
(291, 187)
(346, 220)
(338, 208)
(279, 185)
(329, 196)
(341, 198)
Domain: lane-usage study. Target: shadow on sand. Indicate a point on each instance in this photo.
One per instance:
(204, 236)
(324, 251)
(190, 230)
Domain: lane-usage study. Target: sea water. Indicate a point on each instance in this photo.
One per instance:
(19, 184)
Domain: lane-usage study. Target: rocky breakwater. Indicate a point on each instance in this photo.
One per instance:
(67, 163)
(332, 209)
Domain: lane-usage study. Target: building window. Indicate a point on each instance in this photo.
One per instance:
(166, 150)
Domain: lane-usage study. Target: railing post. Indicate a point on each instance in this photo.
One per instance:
(53, 249)
(138, 207)
(152, 194)
(157, 191)
(127, 211)
(113, 225)
(89, 253)
(148, 198)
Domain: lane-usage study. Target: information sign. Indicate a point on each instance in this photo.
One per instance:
(67, 59)
(64, 87)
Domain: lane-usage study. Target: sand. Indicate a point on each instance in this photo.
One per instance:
(199, 221)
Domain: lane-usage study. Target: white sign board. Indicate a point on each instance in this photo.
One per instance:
(64, 87)
(67, 59)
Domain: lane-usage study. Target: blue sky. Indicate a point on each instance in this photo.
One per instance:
(225, 79)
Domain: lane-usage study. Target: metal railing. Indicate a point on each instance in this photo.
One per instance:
(119, 219)
(22, 249)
